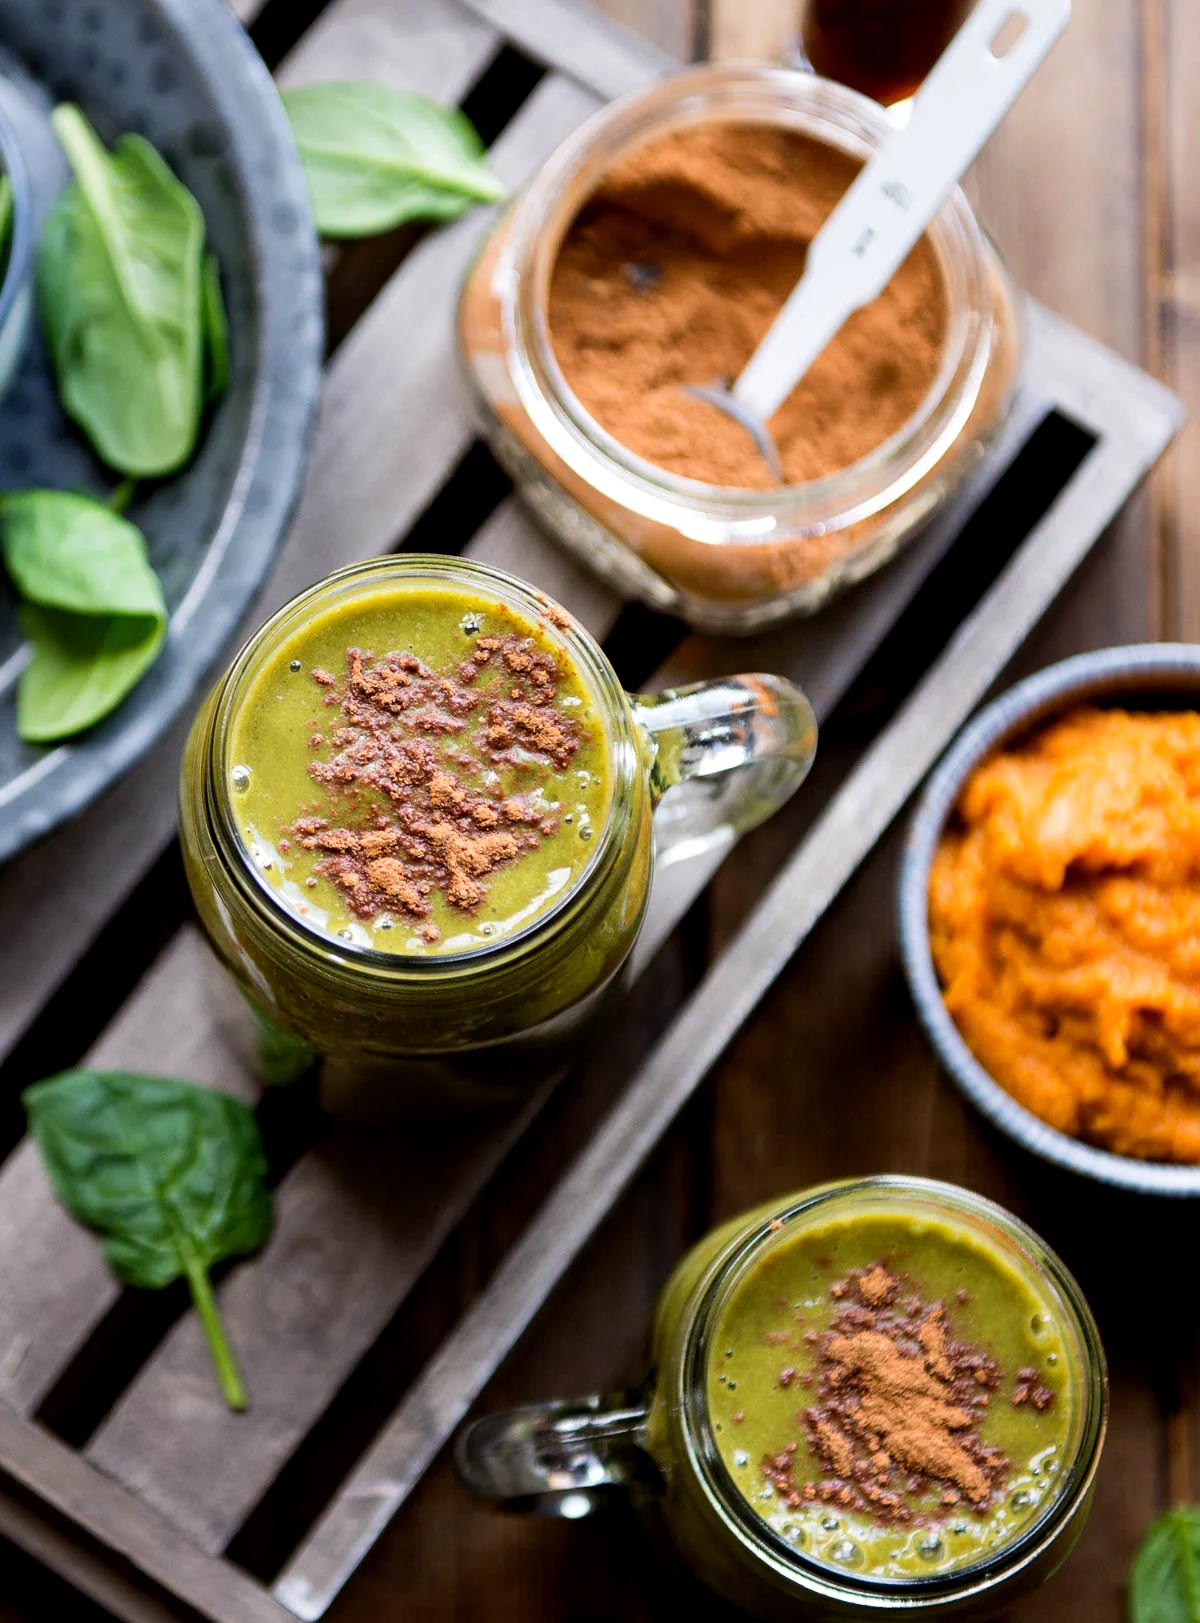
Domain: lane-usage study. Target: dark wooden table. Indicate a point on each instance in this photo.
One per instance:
(1089, 193)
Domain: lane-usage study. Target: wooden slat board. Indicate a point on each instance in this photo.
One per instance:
(359, 1224)
(1172, 318)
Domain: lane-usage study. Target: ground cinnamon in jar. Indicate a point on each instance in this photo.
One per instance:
(674, 269)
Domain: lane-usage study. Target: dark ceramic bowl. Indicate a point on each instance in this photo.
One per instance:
(1153, 675)
(183, 74)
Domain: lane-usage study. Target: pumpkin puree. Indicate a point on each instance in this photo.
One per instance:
(1064, 913)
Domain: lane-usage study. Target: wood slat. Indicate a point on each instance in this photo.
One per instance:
(1171, 215)
(509, 540)
(433, 47)
(88, 1567)
(574, 39)
(357, 1222)
(672, 25)
(126, 831)
(1173, 126)
(63, 1480)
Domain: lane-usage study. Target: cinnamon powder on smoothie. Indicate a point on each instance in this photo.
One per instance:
(417, 806)
(671, 274)
(899, 1404)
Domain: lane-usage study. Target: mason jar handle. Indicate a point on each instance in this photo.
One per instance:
(556, 1459)
(726, 755)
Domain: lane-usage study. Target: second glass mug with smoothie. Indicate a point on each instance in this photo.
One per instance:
(418, 821)
(878, 1397)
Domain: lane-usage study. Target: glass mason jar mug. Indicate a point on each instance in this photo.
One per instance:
(411, 1034)
(726, 559)
(793, 1342)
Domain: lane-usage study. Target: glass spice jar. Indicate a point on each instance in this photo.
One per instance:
(727, 560)
(788, 1558)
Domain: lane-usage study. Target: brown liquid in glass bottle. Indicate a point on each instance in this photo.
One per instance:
(882, 47)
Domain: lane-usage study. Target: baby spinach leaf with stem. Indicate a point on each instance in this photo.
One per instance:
(92, 608)
(1164, 1585)
(171, 1175)
(215, 331)
(120, 496)
(119, 291)
(375, 157)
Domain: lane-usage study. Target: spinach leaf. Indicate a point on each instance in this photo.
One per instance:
(170, 1174)
(93, 608)
(70, 552)
(214, 331)
(6, 212)
(118, 279)
(375, 157)
(80, 670)
(1164, 1586)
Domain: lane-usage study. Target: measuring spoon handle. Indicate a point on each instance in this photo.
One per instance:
(864, 241)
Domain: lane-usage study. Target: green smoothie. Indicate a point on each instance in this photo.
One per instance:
(892, 1395)
(419, 770)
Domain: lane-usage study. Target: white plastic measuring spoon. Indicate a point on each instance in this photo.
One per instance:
(863, 242)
